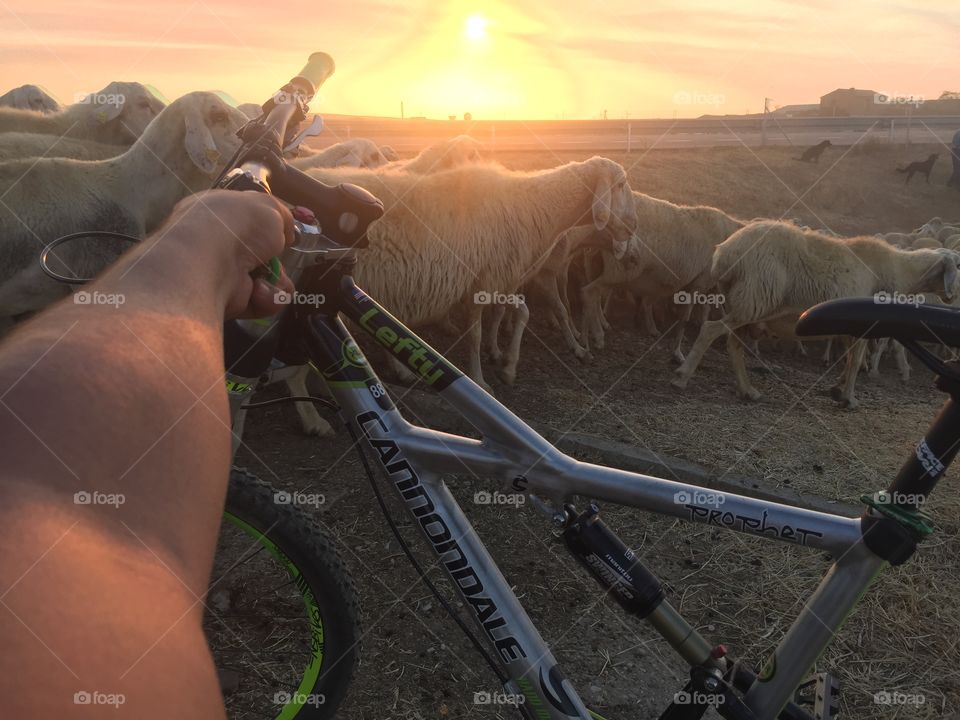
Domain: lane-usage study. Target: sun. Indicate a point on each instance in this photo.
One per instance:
(476, 28)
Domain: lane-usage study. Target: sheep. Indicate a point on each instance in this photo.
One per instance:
(43, 199)
(251, 110)
(116, 115)
(925, 242)
(672, 254)
(550, 279)
(14, 146)
(457, 151)
(898, 239)
(447, 237)
(770, 270)
(389, 153)
(953, 242)
(932, 227)
(355, 153)
(947, 232)
(30, 97)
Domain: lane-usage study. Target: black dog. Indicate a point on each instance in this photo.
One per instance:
(813, 154)
(920, 166)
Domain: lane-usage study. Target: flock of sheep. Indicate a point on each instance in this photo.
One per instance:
(457, 228)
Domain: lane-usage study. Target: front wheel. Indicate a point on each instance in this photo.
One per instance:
(282, 614)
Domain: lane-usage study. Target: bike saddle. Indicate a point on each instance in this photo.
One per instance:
(870, 318)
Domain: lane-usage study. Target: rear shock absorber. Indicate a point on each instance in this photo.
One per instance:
(632, 585)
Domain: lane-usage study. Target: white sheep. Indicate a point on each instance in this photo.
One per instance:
(947, 232)
(926, 242)
(550, 280)
(769, 271)
(671, 254)
(251, 110)
(353, 153)
(14, 146)
(389, 153)
(30, 97)
(444, 155)
(116, 115)
(43, 199)
(445, 238)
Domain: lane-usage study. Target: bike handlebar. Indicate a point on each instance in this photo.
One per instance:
(315, 73)
(343, 211)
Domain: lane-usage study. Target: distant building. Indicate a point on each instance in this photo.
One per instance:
(791, 111)
(851, 102)
(848, 102)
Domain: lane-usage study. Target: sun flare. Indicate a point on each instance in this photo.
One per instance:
(476, 28)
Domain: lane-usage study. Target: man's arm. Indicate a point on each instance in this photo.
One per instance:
(124, 396)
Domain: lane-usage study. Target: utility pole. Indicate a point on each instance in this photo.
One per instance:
(401, 109)
(763, 122)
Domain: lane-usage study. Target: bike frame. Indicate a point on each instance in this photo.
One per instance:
(414, 459)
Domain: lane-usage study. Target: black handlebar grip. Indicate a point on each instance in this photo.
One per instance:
(344, 211)
(319, 67)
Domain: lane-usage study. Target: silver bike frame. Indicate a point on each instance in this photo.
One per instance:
(414, 459)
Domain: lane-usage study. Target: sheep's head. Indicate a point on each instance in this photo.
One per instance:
(944, 272)
(389, 153)
(458, 151)
(128, 107)
(30, 97)
(613, 206)
(367, 153)
(209, 129)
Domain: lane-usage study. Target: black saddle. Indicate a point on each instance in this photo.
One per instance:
(868, 318)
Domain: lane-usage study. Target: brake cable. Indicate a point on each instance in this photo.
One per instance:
(501, 675)
(50, 247)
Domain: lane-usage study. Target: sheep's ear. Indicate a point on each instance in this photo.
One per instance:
(198, 141)
(601, 204)
(949, 276)
(115, 100)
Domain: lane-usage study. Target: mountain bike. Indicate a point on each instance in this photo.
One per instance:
(331, 228)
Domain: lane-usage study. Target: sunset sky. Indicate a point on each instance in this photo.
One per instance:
(517, 59)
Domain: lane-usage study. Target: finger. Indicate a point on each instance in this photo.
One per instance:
(263, 300)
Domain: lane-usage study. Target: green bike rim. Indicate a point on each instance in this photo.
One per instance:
(312, 671)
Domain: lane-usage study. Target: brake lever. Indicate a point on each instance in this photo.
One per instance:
(314, 128)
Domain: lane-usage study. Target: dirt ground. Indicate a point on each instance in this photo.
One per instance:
(735, 589)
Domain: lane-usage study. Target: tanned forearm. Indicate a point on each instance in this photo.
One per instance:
(121, 399)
